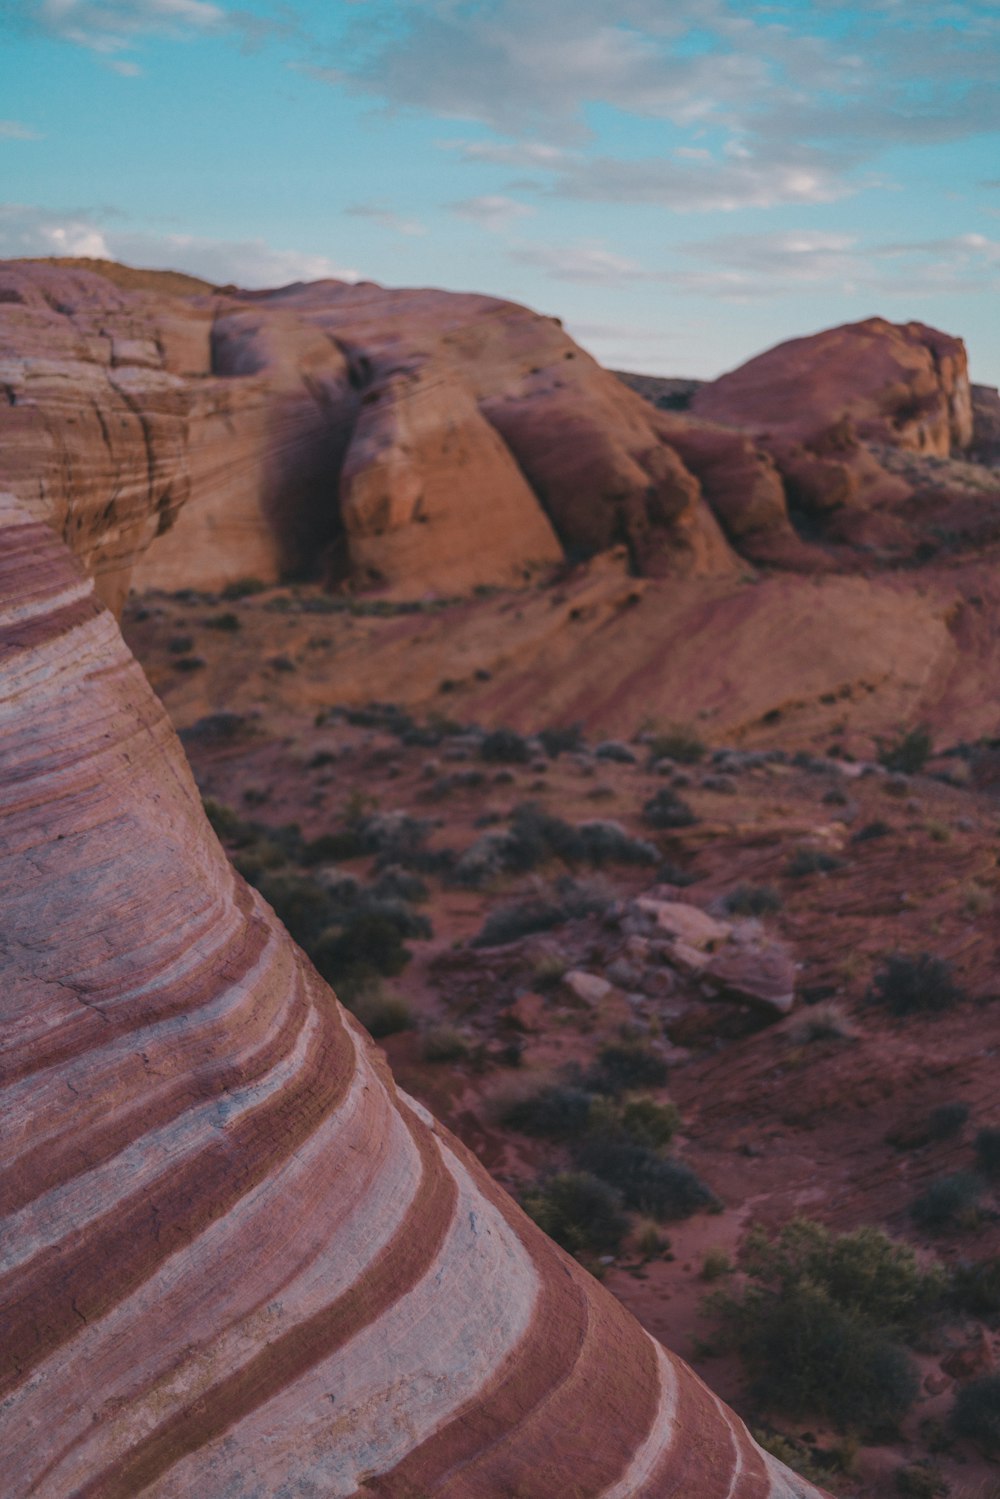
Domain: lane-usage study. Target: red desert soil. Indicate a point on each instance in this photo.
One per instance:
(822, 1111)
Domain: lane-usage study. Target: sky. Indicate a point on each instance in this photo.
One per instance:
(684, 182)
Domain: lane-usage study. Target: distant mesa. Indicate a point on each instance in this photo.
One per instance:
(425, 442)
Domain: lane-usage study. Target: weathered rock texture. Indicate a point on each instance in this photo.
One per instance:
(903, 384)
(416, 440)
(235, 1259)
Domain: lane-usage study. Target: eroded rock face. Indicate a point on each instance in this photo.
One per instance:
(902, 384)
(416, 441)
(236, 1259)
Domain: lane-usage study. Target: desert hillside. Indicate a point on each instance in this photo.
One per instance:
(623, 754)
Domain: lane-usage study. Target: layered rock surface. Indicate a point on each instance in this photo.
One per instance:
(415, 440)
(236, 1259)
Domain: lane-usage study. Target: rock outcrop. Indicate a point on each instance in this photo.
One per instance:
(902, 384)
(418, 441)
(235, 1258)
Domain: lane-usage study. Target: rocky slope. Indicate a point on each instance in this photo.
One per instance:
(236, 1259)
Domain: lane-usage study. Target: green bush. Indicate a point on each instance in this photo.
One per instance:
(443, 1043)
(752, 900)
(908, 753)
(650, 1123)
(580, 1212)
(380, 1013)
(976, 1412)
(975, 1287)
(227, 622)
(625, 1065)
(505, 747)
(920, 1481)
(680, 742)
(806, 861)
(988, 1151)
(663, 1189)
(817, 1319)
(554, 1112)
(947, 1120)
(556, 742)
(665, 809)
(914, 985)
(369, 944)
(243, 588)
(949, 1202)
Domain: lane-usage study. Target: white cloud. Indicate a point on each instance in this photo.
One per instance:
(29, 231)
(111, 26)
(588, 260)
(13, 130)
(760, 76)
(492, 211)
(525, 154)
(382, 214)
(741, 267)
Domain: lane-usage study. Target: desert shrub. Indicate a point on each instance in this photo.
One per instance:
(988, 1151)
(920, 1481)
(814, 1323)
(806, 861)
(330, 848)
(443, 1043)
(949, 1202)
(624, 1065)
(510, 923)
(879, 828)
(242, 588)
(975, 1287)
(300, 903)
(227, 825)
(716, 1264)
(752, 900)
(179, 645)
(505, 747)
(227, 622)
(912, 985)
(907, 753)
(864, 1272)
(665, 809)
(603, 842)
(663, 1189)
(381, 1014)
(395, 883)
(825, 1021)
(553, 1112)
(680, 742)
(613, 750)
(648, 1122)
(947, 1120)
(976, 1413)
(556, 742)
(580, 1212)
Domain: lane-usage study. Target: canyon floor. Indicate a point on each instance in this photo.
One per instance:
(801, 862)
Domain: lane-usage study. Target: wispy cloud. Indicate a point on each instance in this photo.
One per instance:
(26, 230)
(741, 267)
(382, 214)
(110, 26)
(742, 82)
(13, 130)
(587, 260)
(492, 211)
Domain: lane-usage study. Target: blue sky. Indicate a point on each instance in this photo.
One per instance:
(685, 182)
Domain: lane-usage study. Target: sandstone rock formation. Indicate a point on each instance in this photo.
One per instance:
(901, 384)
(414, 440)
(236, 1259)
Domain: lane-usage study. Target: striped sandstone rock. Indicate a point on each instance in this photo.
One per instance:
(236, 1261)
